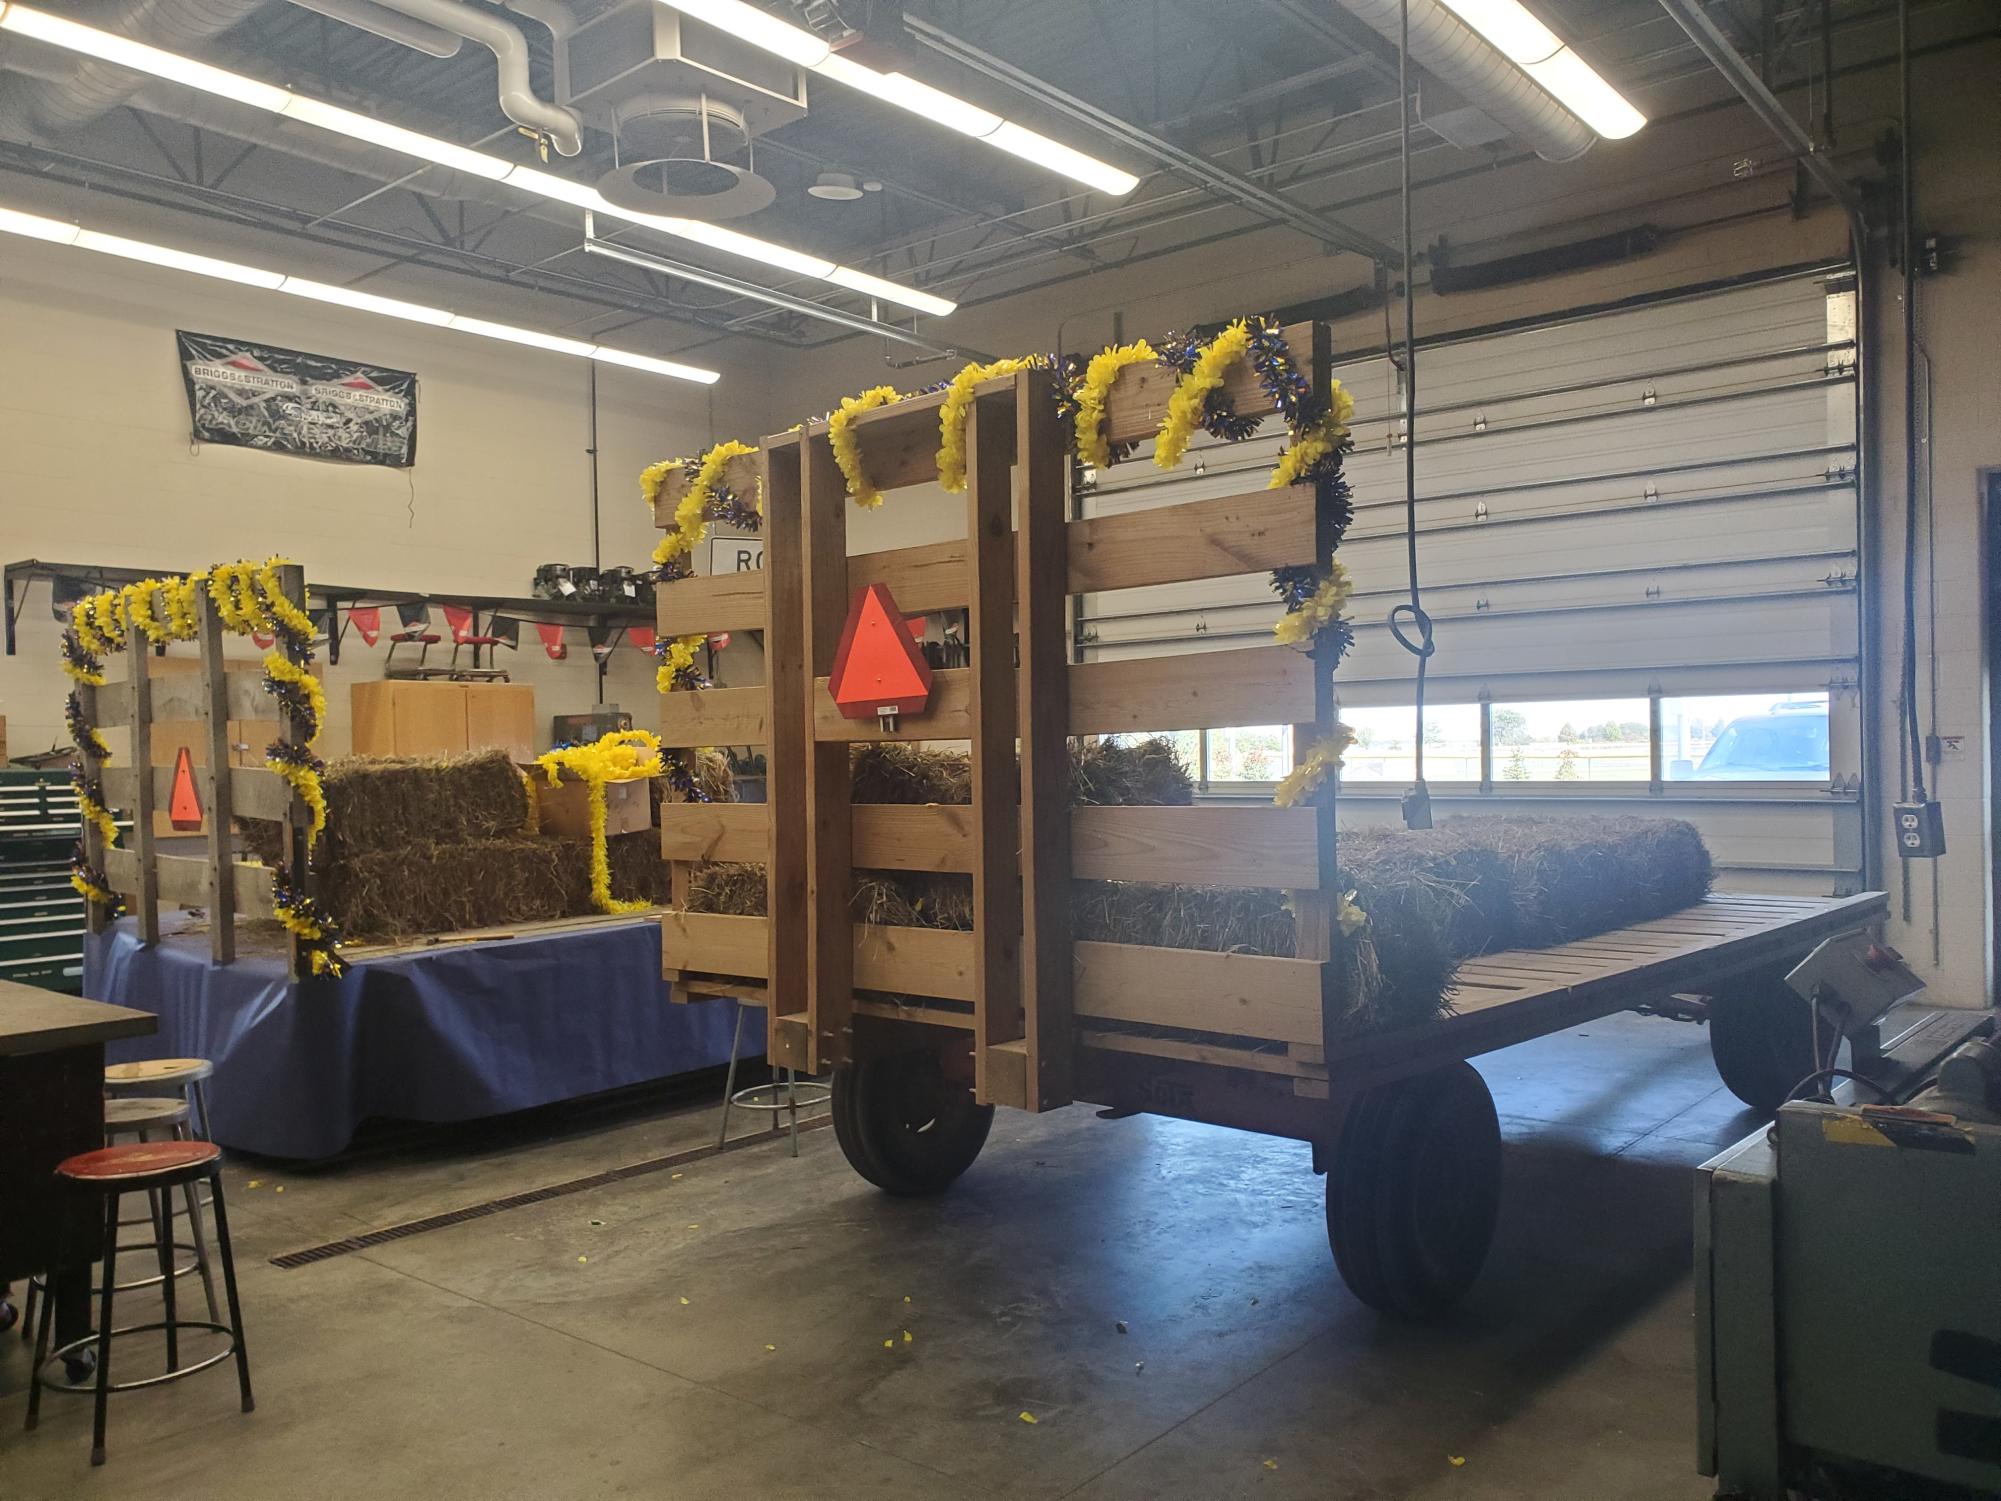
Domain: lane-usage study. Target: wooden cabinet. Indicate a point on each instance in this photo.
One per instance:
(398, 718)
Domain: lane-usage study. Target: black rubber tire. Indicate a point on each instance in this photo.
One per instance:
(904, 1126)
(1761, 1036)
(1414, 1190)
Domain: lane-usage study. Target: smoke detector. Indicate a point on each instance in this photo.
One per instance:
(836, 187)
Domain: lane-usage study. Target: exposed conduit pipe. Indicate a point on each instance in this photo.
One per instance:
(367, 16)
(1456, 55)
(89, 89)
(518, 99)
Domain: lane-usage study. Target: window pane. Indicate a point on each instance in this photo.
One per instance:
(1572, 740)
(1382, 750)
(1745, 737)
(1250, 753)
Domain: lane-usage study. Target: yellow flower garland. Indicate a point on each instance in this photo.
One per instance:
(1185, 407)
(96, 813)
(1319, 440)
(622, 756)
(180, 595)
(847, 447)
(281, 609)
(691, 523)
(653, 478)
(1093, 392)
(1311, 769)
(1319, 612)
(952, 416)
(141, 602)
(680, 657)
(90, 891)
(107, 618)
(1351, 917)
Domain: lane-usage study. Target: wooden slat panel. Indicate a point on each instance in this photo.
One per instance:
(714, 944)
(717, 602)
(913, 961)
(1247, 995)
(899, 443)
(823, 595)
(922, 579)
(949, 716)
(257, 793)
(1138, 399)
(1202, 539)
(1196, 691)
(180, 696)
(184, 881)
(932, 837)
(1213, 845)
(786, 760)
(215, 698)
(740, 474)
(713, 716)
(142, 799)
(715, 831)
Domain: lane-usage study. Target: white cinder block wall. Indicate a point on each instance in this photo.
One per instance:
(96, 464)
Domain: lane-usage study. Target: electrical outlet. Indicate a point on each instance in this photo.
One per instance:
(1920, 829)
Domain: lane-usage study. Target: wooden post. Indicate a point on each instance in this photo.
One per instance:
(96, 918)
(139, 683)
(1043, 688)
(997, 1012)
(215, 779)
(830, 935)
(292, 832)
(789, 728)
(1316, 913)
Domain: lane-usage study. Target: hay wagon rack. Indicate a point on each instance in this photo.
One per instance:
(926, 1030)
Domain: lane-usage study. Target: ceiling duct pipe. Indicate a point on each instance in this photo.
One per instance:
(518, 99)
(89, 88)
(367, 16)
(1455, 54)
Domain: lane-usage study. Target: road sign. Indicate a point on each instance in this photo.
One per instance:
(879, 672)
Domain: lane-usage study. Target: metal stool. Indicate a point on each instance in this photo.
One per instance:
(151, 1167)
(186, 1077)
(129, 1115)
(765, 1097)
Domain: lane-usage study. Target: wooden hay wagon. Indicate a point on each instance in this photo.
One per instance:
(925, 1031)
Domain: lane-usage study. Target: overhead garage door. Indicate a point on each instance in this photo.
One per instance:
(1638, 537)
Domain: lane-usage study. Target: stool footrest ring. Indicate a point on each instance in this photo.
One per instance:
(89, 1342)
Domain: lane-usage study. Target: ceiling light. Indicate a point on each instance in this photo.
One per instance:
(35, 227)
(835, 187)
(25, 21)
(802, 48)
(91, 42)
(1531, 46)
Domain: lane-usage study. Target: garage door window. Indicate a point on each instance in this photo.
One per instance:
(1383, 752)
(1573, 740)
(1745, 737)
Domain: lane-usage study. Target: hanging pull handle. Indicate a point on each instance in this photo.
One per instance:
(1420, 619)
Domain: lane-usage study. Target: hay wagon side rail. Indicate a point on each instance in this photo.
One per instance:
(1015, 986)
(215, 881)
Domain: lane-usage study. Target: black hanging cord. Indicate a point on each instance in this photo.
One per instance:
(1417, 802)
(1909, 687)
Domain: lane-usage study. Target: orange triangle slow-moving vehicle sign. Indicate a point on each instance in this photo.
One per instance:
(184, 803)
(878, 671)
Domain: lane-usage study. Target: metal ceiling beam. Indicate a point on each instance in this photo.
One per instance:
(1186, 164)
(1737, 70)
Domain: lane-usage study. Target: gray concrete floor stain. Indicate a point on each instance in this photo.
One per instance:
(736, 1329)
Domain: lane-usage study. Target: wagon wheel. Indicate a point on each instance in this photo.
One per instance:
(904, 1126)
(1761, 1036)
(1414, 1189)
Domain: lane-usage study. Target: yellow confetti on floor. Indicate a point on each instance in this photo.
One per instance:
(906, 1296)
(694, 1227)
(684, 1302)
(259, 1183)
(908, 1336)
(889, 1344)
(583, 1258)
(770, 1348)
(673, 1176)
(279, 1189)
(1028, 1417)
(1271, 1464)
(1455, 1460)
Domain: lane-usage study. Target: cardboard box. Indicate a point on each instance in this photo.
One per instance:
(564, 811)
(503, 715)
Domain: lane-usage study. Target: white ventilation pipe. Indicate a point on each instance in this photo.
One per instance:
(90, 89)
(1452, 52)
(420, 36)
(518, 99)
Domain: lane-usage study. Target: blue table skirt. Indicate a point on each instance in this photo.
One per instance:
(447, 1034)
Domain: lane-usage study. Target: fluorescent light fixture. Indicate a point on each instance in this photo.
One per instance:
(803, 49)
(23, 20)
(91, 42)
(177, 260)
(376, 132)
(1531, 46)
(760, 28)
(366, 302)
(56, 232)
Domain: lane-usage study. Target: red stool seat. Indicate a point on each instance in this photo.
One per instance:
(138, 1159)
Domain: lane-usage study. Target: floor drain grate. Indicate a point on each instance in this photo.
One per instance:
(450, 1217)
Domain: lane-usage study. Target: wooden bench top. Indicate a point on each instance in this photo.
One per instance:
(33, 1020)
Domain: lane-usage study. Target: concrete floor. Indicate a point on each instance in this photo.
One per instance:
(755, 1327)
